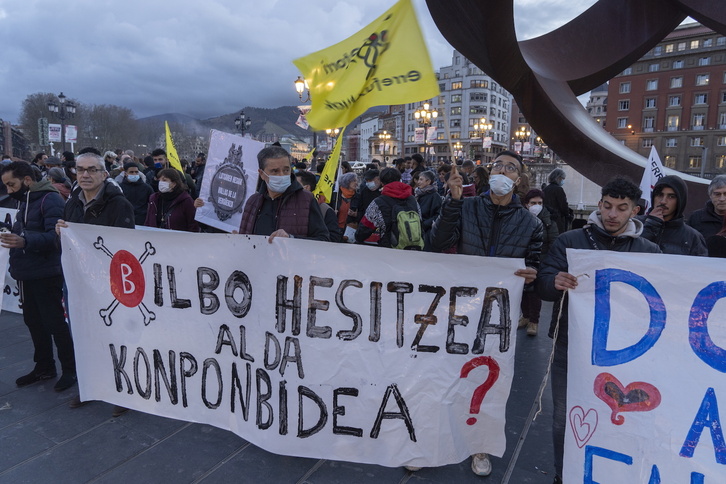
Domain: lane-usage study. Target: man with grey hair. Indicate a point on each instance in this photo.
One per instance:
(281, 208)
(709, 219)
(555, 199)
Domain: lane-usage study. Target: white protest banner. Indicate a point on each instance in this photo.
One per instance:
(418, 135)
(230, 177)
(54, 132)
(351, 353)
(654, 171)
(71, 133)
(11, 290)
(646, 369)
(487, 142)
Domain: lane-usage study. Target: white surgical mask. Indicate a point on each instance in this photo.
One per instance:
(279, 184)
(133, 178)
(372, 186)
(535, 209)
(500, 184)
(164, 186)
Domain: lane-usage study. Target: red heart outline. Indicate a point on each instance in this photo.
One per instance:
(579, 419)
(640, 388)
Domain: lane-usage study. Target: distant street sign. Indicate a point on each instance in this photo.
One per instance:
(71, 133)
(43, 132)
(54, 132)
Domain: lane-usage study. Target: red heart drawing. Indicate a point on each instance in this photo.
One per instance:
(636, 397)
(583, 424)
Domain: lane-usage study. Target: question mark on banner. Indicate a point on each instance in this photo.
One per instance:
(482, 389)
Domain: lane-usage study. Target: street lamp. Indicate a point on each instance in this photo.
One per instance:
(64, 110)
(301, 85)
(384, 137)
(482, 129)
(242, 123)
(425, 116)
(522, 135)
(457, 150)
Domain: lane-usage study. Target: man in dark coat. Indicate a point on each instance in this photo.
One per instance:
(35, 264)
(611, 227)
(281, 208)
(494, 224)
(709, 219)
(555, 199)
(308, 182)
(136, 191)
(665, 224)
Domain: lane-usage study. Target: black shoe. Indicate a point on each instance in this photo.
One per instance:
(35, 376)
(558, 480)
(66, 381)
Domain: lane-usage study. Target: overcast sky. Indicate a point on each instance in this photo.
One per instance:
(200, 58)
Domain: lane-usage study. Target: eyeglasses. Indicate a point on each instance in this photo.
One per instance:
(91, 170)
(508, 167)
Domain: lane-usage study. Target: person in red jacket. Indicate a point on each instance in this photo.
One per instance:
(171, 207)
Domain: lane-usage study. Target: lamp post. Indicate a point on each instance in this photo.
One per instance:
(481, 129)
(457, 150)
(522, 135)
(385, 136)
(301, 86)
(425, 116)
(63, 110)
(332, 134)
(242, 123)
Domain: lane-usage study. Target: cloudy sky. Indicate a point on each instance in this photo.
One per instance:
(200, 58)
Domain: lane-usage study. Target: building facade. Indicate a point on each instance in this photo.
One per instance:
(469, 98)
(597, 104)
(674, 98)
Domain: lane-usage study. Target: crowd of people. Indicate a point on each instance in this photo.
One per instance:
(468, 209)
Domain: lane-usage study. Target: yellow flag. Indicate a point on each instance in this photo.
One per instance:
(327, 177)
(310, 156)
(385, 63)
(171, 154)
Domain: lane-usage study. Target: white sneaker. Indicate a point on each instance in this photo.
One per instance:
(481, 465)
(412, 468)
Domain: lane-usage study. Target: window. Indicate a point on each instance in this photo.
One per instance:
(455, 111)
(681, 46)
(442, 87)
(647, 142)
(478, 96)
(658, 50)
(704, 61)
(651, 84)
(653, 67)
(456, 85)
(721, 141)
(722, 121)
(628, 71)
(442, 99)
(694, 162)
(721, 161)
(624, 87)
(455, 123)
(473, 135)
(699, 119)
(492, 111)
(721, 41)
(702, 79)
(676, 82)
(622, 123)
(673, 122)
(671, 142)
(708, 42)
(648, 124)
(440, 135)
(455, 135)
(493, 99)
(724, 77)
(696, 141)
(700, 98)
(677, 64)
(456, 98)
(669, 48)
(674, 100)
(479, 83)
(669, 161)
(624, 105)
(650, 102)
(695, 44)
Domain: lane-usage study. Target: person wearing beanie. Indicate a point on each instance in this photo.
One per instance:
(665, 224)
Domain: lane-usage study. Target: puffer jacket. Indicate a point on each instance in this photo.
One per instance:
(592, 236)
(111, 209)
(478, 226)
(35, 222)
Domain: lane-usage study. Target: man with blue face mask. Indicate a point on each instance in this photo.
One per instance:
(136, 191)
(281, 208)
(493, 224)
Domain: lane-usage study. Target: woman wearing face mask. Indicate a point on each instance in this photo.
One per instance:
(531, 303)
(171, 207)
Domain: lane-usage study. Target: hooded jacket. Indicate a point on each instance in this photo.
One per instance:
(37, 215)
(673, 236)
(594, 237)
(379, 214)
(478, 226)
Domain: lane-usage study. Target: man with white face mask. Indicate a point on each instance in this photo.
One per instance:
(494, 224)
(281, 208)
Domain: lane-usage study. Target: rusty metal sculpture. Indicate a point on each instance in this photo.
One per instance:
(546, 74)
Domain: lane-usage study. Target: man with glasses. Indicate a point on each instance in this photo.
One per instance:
(493, 224)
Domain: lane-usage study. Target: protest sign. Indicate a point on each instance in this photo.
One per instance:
(646, 368)
(10, 296)
(230, 178)
(349, 353)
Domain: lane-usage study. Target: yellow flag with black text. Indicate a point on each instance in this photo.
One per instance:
(327, 177)
(385, 63)
(171, 153)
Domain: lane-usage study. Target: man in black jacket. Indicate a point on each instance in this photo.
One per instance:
(136, 191)
(611, 227)
(494, 224)
(709, 219)
(665, 224)
(35, 263)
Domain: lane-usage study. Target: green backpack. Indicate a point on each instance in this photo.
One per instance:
(407, 231)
